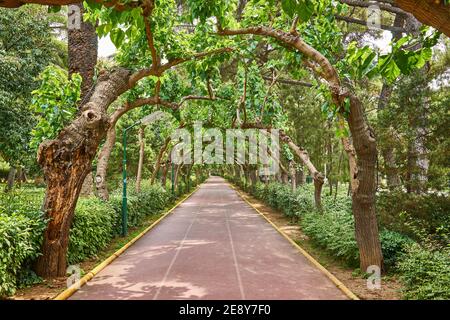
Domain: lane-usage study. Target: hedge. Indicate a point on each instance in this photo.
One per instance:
(95, 223)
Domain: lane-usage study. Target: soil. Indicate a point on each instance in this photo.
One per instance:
(390, 286)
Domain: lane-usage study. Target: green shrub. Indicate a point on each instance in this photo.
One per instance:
(421, 217)
(21, 227)
(425, 273)
(92, 229)
(152, 199)
(393, 246)
(333, 231)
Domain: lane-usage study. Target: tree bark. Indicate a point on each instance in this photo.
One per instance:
(317, 175)
(159, 159)
(66, 161)
(364, 188)
(102, 164)
(11, 178)
(165, 169)
(141, 159)
(82, 59)
(293, 174)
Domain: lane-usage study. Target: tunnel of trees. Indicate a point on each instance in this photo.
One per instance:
(362, 115)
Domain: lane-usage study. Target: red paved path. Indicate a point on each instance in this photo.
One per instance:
(213, 246)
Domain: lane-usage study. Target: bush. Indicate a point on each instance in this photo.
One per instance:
(151, 200)
(393, 246)
(425, 273)
(92, 229)
(334, 231)
(21, 227)
(18, 235)
(417, 216)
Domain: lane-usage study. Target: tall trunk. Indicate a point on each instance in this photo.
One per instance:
(141, 159)
(11, 178)
(159, 159)
(293, 175)
(165, 169)
(364, 187)
(82, 49)
(102, 164)
(66, 161)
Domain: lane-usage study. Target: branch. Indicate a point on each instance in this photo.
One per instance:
(290, 81)
(138, 75)
(328, 72)
(147, 12)
(366, 4)
(364, 23)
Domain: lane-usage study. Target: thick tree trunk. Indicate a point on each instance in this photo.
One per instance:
(82, 59)
(11, 178)
(66, 161)
(364, 188)
(141, 159)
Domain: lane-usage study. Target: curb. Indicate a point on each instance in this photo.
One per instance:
(76, 286)
(327, 273)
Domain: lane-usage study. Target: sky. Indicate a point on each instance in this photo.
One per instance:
(105, 47)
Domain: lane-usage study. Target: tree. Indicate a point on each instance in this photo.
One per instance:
(67, 159)
(23, 55)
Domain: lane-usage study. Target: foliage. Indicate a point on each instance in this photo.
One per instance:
(424, 217)
(92, 229)
(21, 227)
(23, 55)
(425, 273)
(54, 103)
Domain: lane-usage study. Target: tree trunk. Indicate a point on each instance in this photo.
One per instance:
(364, 188)
(102, 164)
(82, 50)
(141, 159)
(66, 161)
(11, 177)
(159, 159)
(293, 174)
(87, 189)
(165, 169)
(317, 175)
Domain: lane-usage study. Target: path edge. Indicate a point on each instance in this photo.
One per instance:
(91, 274)
(327, 273)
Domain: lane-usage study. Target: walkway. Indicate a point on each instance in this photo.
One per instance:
(213, 246)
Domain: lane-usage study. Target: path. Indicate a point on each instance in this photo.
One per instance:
(213, 246)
